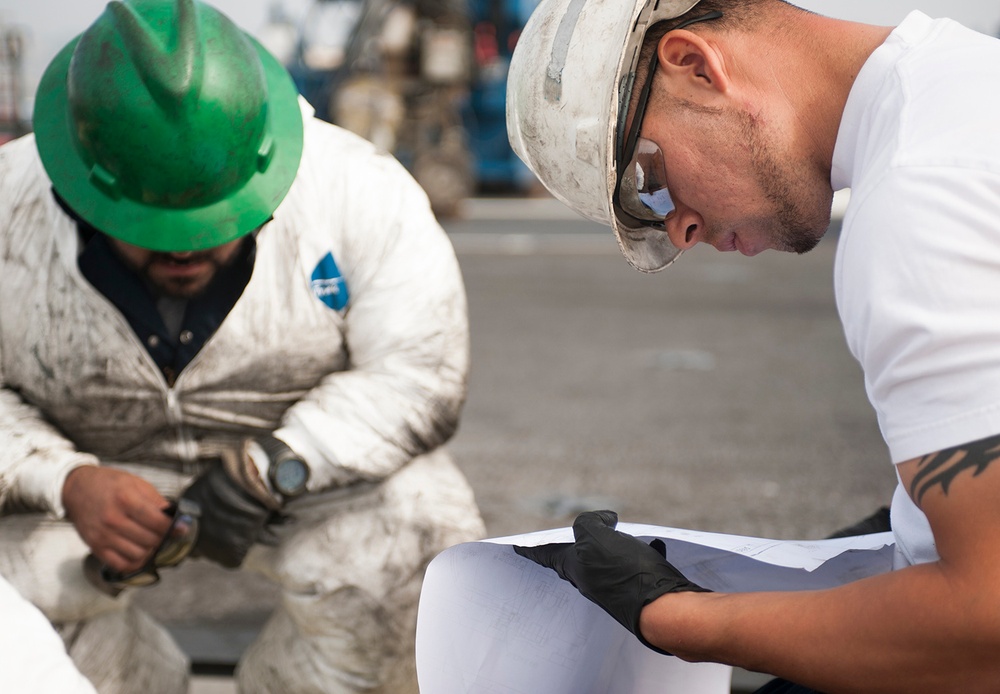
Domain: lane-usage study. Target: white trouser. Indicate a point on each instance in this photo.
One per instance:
(350, 568)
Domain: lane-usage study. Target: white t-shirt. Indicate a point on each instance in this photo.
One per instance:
(917, 274)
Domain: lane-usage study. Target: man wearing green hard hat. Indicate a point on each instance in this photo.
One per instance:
(229, 332)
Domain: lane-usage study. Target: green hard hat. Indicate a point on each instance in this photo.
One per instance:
(167, 127)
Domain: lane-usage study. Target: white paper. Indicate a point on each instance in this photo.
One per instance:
(493, 622)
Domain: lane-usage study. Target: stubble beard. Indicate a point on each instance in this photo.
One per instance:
(178, 288)
(801, 208)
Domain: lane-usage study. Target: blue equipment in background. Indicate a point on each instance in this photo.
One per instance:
(423, 79)
(496, 26)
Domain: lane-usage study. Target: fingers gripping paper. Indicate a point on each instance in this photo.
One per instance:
(493, 622)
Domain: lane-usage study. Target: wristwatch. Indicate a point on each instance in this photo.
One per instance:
(286, 471)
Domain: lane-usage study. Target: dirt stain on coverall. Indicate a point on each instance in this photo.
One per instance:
(46, 369)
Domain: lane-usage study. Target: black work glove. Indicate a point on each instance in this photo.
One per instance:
(232, 520)
(618, 572)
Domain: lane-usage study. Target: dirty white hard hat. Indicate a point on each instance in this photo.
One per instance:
(567, 90)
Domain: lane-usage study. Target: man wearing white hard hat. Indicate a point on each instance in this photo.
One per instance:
(731, 123)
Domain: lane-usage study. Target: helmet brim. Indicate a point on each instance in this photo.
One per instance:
(161, 228)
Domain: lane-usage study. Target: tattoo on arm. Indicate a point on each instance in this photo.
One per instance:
(941, 468)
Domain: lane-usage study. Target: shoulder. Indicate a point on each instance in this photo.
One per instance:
(20, 166)
(347, 189)
(925, 98)
(350, 179)
(333, 151)
(25, 190)
(950, 104)
(928, 156)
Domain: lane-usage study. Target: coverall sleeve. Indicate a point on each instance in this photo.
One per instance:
(34, 456)
(406, 327)
(36, 459)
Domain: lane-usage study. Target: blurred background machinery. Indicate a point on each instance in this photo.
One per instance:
(423, 79)
(497, 25)
(13, 123)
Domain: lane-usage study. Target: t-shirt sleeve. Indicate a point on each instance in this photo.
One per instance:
(918, 289)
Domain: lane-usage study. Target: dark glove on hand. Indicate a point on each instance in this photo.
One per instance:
(231, 519)
(618, 572)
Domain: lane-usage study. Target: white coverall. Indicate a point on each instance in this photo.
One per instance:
(365, 393)
(33, 659)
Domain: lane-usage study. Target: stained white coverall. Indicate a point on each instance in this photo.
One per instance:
(33, 659)
(366, 393)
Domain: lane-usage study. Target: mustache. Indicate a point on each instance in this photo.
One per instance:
(186, 258)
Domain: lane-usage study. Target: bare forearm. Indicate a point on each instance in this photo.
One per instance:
(909, 631)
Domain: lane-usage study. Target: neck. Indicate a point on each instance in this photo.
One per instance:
(848, 47)
(806, 72)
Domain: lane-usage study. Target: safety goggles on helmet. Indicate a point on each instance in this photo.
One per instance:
(641, 192)
(175, 547)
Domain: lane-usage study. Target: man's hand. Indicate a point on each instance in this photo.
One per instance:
(616, 571)
(235, 513)
(120, 516)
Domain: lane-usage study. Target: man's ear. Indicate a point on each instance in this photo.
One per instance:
(693, 67)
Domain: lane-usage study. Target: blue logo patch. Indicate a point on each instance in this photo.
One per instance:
(328, 285)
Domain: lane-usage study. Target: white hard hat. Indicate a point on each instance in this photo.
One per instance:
(567, 89)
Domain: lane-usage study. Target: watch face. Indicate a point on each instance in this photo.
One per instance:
(290, 477)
